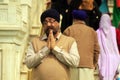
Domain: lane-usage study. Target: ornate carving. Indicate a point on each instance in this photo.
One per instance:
(3, 16)
(1, 0)
(3, 13)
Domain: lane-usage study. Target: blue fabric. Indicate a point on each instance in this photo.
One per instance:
(79, 14)
(118, 79)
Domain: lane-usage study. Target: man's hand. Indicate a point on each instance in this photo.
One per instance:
(51, 40)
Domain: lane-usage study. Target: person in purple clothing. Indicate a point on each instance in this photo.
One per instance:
(109, 57)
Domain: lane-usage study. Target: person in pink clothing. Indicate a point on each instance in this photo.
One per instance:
(109, 57)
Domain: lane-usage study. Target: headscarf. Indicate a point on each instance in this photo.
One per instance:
(79, 14)
(109, 58)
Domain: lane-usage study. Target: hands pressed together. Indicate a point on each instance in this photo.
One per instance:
(51, 40)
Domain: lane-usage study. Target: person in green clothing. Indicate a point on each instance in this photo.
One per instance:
(116, 15)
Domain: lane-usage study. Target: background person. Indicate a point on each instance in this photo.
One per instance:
(88, 47)
(109, 58)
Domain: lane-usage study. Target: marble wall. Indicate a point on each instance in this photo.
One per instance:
(19, 22)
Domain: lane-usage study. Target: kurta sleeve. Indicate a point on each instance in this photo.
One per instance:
(33, 59)
(71, 59)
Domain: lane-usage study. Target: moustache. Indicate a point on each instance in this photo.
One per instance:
(48, 31)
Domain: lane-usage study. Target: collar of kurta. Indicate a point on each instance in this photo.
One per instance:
(78, 21)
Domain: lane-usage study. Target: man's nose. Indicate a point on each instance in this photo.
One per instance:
(49, 24)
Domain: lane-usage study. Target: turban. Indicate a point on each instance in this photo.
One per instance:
(79, 14)
(50, 13)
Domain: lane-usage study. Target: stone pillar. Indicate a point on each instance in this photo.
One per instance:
(14, 33)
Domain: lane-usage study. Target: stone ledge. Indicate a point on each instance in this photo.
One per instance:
(12, 34)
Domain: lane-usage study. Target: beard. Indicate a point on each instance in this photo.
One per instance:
(47, 31)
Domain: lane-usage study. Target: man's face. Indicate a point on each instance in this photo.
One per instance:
(50, 23)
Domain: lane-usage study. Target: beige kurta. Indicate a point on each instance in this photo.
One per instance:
(51, 68)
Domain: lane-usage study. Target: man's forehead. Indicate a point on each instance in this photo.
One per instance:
(49, 18)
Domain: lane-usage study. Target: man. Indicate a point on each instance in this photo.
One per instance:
(51, 55)
(87, 42)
